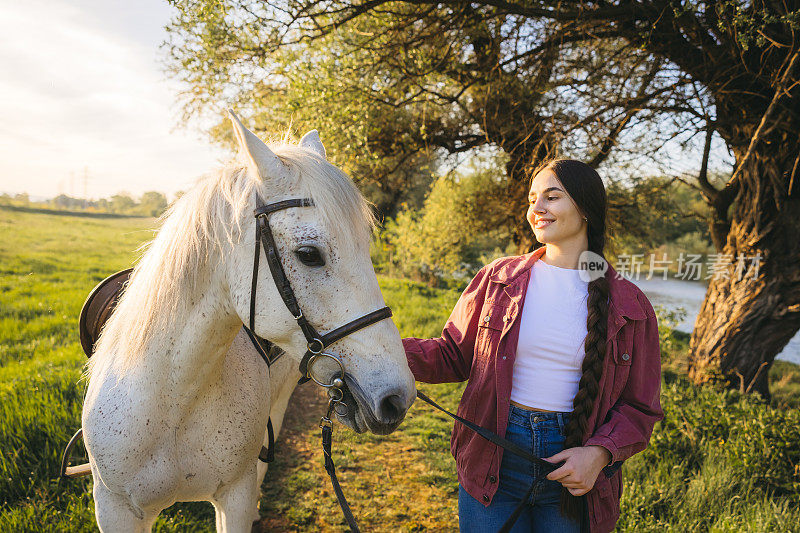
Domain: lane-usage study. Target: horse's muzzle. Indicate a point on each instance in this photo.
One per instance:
(385, 419)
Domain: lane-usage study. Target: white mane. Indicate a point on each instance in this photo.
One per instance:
(202, 223)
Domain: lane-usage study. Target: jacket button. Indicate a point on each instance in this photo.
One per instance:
(486, 318)
(492, 479)
(625, 357)
(486, 498)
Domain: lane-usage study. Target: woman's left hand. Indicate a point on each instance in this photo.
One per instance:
(579, 472)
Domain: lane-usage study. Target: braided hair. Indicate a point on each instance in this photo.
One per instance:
(586, 188)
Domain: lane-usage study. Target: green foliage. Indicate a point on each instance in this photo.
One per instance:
(749, 25)
(446, 241)
(784, 385)
(394, 91)
(651, 212)
(152, 204)
(122, 203)
(719, 461)
(655, 216)
(325, 85)
(397, 87)
(667, 321)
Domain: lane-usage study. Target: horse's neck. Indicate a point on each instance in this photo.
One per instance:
(191, 353)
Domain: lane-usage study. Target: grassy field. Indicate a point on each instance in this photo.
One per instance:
(718, 462)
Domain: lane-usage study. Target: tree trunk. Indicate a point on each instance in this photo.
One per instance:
(750, 316)
(517, 206)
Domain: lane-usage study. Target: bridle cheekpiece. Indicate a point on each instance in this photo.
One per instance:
(316, 342)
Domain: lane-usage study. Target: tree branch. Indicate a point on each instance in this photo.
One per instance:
(710, 192)
(762, 128)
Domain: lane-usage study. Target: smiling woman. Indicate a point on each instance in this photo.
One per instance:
(562, 361)
(550, 206)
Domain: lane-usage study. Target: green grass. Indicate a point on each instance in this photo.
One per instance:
(718, 462)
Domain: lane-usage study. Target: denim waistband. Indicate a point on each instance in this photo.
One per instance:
(530, 419)
(542, 414)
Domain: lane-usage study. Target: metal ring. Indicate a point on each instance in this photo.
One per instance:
(331, 394)
(319, 351)
(310, 365)
(336, 410)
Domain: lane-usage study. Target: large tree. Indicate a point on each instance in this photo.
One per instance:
(744, 58)
(587, 78)
(405, 85)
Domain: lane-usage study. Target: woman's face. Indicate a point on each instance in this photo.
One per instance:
(552, 213)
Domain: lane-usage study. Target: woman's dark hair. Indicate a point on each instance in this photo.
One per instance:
(584, 185)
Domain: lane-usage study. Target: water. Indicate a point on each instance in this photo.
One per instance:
(674, 293)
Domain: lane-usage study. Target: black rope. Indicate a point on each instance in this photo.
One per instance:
(327, 438)
(509, 446)
(267, 454)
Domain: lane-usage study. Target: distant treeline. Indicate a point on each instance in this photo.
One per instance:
(150, 204)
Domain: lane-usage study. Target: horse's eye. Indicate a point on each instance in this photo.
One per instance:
(309, 256)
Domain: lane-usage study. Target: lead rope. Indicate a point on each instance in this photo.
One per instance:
(327, 439)
(508, 446)
(326, 425)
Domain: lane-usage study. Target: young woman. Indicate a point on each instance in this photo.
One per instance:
(560, 360)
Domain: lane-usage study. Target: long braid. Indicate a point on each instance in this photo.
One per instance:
(589, 384)
(586, 188)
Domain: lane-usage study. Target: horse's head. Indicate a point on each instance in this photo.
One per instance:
(324, 252)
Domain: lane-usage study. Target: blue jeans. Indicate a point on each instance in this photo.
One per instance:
(543, 434)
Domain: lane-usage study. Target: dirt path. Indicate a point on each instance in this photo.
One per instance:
(293, 440)
(388, 480)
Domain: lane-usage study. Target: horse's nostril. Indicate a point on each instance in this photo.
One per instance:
(391, 409)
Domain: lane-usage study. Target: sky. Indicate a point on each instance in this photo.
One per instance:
(87, 110)
(83, 94)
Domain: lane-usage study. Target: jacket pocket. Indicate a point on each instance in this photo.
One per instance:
(490, 326)
(605, 502)
(622, 348)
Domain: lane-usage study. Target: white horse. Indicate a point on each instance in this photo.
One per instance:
(177, 402)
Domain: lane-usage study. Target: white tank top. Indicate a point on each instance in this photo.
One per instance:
(550, 349)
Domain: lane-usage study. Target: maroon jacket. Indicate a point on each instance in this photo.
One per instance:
(479, 344)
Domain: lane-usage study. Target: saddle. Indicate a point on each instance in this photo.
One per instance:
(98, 307)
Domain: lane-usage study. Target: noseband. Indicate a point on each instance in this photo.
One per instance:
(316, 342)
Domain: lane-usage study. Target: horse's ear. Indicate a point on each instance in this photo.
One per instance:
(311, 141)
(259, 156)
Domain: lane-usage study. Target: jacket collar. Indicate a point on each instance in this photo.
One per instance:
(516, 273)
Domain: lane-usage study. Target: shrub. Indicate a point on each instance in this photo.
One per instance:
(445, 242)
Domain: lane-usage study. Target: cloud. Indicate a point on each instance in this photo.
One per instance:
(82, 88)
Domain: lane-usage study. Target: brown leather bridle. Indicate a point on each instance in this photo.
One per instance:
(316, 342)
